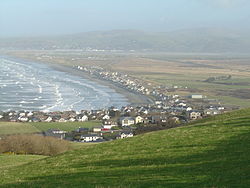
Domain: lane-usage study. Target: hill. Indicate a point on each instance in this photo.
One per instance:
(202, 40)
(212, 152)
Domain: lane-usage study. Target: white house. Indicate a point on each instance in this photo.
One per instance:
(90, 138)
(23, 119)
(125, 134)
(138, 119)
(97, 129)
(49, 119)
(194, 115)
(72, 119)
(196, 96)
(30, 114)
(22, 114)
(106, 117)
(211, 112)
(108, 126)
(127, 121)
(83, 118)
(61, 120)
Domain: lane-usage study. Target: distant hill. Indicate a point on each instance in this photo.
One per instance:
(212, 152)
(205, 40)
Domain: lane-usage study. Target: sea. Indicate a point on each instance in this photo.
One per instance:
(31, 86)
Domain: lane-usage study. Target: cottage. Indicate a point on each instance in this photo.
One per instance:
(97, 129)
(106, 117)
(127, 121)
(194, 115)
(82, 118)
(49, 119)
(125, 134)
(108, 126)
(61, 120)
(90, 138)
(211, 112)
(72, 119)
(23, 119)
(139, 119)
(196, 96)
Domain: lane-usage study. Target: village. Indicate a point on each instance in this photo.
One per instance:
(163, 111)
(166, 111)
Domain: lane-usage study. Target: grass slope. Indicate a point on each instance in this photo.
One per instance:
(208, 153)
(9, 161)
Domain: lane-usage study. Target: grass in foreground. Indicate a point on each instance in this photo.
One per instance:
(9, 161)
(208, 153)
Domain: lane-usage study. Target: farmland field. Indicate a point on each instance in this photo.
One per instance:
(16, 128)
(67, 126)
(7, 128)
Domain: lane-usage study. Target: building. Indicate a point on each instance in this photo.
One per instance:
(194, 115)
(139, 119)
(127, 121)
(97, 129)
(196, 96)
(90, 138)
(125, 134)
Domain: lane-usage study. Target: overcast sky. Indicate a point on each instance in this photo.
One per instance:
(52, 17)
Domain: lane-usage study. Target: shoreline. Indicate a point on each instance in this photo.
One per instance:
(132, 98)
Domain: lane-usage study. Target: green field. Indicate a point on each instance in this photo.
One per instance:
(16, 128)
(211, 152)
(68, 126)
(21, 128)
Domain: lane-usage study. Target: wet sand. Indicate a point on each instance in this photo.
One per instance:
(133, 98)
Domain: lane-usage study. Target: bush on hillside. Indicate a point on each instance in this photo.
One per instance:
(33, 144)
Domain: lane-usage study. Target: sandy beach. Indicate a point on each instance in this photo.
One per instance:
(132, 97)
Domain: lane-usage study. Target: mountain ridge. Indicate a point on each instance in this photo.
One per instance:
(200, 40)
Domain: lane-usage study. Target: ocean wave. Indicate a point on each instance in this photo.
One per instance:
(43, 88)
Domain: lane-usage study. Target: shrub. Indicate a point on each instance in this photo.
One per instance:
(33, 144)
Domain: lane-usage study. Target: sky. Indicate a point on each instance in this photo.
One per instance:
(20, 18)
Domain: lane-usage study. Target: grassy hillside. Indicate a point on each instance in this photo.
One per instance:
(20, 128)
(209, 153)
(10, 161)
